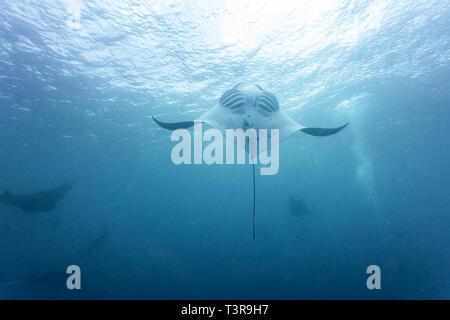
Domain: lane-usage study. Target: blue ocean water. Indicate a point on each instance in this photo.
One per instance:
(80, 81)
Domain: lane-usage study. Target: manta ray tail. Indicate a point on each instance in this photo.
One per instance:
(174, 125)
(322, 132)
(254, 201)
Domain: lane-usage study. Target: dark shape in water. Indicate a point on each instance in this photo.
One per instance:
(51, 277)
(400, 235)
(97, 243)
(39, 201)
(297, 207)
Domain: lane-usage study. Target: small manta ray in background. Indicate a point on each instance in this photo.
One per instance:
(244, 109)
(39, 201)
(297, 207)
(51, 277)
(95, 244)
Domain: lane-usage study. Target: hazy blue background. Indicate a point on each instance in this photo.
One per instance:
(76, 100)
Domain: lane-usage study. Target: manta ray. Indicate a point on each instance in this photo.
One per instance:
(51, 277)
(297, 207)
(95, 244)
(250, 108)
(39, 201)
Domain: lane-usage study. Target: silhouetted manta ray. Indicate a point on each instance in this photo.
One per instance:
(51, 277)
(97, 243)
(39, 201)
(244, 109)
(297, 207)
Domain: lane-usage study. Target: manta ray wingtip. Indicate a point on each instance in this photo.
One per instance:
(173, 125)
(323, 132)
(156, 120)
(159, 123)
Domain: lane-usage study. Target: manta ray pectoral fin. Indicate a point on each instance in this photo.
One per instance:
(174, 125)
(323, 132)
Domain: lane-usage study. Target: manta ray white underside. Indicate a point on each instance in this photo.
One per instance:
(245, 109)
